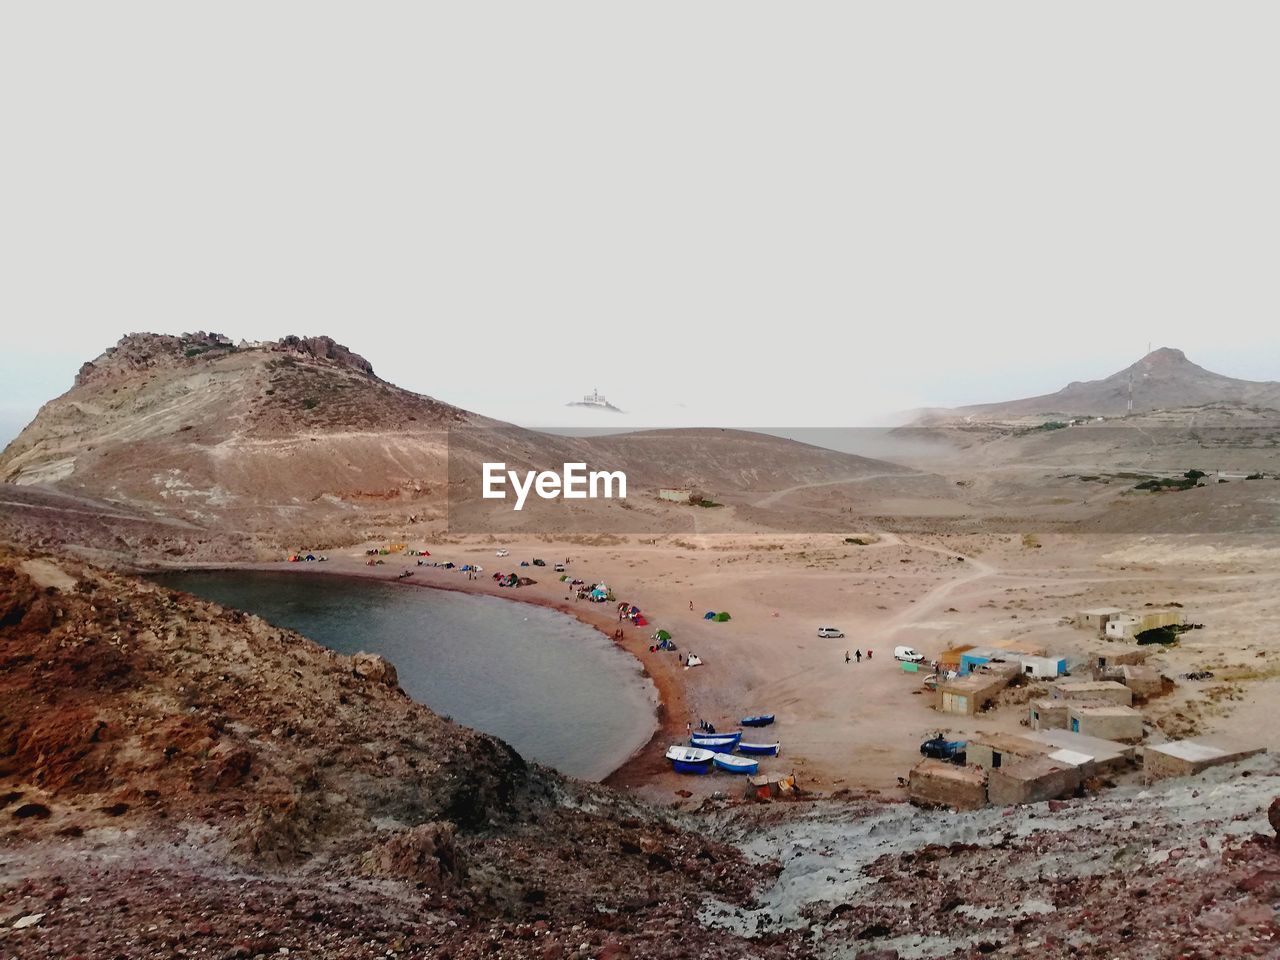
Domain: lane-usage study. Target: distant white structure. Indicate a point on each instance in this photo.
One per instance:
(594, 399)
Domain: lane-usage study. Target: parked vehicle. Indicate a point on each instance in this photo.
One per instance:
(504, 553)
(940, 748)
(830, 632)
(908, 655)
(559, 568)
(539, 563)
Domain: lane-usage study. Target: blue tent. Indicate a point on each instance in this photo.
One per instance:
(709, 615)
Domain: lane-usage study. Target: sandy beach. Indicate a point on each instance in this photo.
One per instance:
(858, 725)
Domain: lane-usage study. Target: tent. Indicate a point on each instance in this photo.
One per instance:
(722, 616)
(709, 615)
(599, 595)
(662, 635)
(639, 621)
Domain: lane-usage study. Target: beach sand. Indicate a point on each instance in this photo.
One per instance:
(859, 725)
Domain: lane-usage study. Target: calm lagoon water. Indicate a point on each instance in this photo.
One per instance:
(557, 690)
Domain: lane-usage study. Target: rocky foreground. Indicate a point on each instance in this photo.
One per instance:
(177, 779)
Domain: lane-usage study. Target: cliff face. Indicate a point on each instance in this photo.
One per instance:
(163, 756)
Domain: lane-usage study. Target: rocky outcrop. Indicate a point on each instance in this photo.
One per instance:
(426, 854)
(375, 667)
(214, 785)
(324, 348)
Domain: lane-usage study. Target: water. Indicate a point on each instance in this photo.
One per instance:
(557, 690)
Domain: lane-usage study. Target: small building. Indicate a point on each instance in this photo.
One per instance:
(936, 783)
(1144, 681)
(1106, 756)
(950, 659)
(994, 750)
(1185, 758)
(1045, 668)
(976, 657)
(1033, 780)
(1097, 618)
(1128, 626)
(1048, 713)
(1133, 655)
(1109, 690)
(1107, 721)
(969, 694)
(674, 495)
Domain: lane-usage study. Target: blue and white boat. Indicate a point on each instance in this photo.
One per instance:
(760, 720)
(759, 749)
(689, 759)
(731, 764)
(719, 742)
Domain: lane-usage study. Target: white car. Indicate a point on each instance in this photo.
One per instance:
(504, 553)
(830, 632)
(908, 655)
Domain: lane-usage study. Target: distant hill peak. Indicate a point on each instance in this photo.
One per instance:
(1164, 379)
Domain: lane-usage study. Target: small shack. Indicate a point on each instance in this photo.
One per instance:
(1097, 618)
(1107, 721)
(1143, 680)
(968, 694)
(1033, 780)
(994, 750)
(1045, 668)
(1109, 690)
(1128, 626)
(1185, 758)
(1105, 755)
(936, 783)
(1049, 713)
(949, 659)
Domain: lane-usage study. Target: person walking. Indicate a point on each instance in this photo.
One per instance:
(858, 654)
(690, 606)
(868, 653)
(847, 658)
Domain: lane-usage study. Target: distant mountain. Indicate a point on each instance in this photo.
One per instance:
(1162, 380)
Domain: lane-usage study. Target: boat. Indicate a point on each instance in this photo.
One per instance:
(689, 759)
(759, 749)
(760, 720)
(731, 764)
(719, 742)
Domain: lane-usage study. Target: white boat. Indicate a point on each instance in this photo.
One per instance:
(689, 759)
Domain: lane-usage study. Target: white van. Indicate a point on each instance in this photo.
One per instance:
(908, 655)
(830, 632)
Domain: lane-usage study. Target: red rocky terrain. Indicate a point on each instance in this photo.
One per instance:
(177, 779)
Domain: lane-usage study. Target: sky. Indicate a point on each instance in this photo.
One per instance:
(739, 214)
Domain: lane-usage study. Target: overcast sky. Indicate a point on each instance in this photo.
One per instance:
(716, 213)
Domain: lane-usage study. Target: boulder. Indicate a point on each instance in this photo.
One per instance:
(426, 853)
(375, 667)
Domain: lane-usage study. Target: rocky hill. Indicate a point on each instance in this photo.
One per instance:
(258, 448)
(181, 779)
(1162, 380)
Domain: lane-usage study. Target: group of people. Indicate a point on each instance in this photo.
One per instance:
(856, 654)
(702, 725)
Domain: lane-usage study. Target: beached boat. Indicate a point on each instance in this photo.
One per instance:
(760, 720)
(719, 742)
(689, 759)
(759, 749)
(731, 764)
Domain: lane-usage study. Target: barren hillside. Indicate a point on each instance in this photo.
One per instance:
(263, 447)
